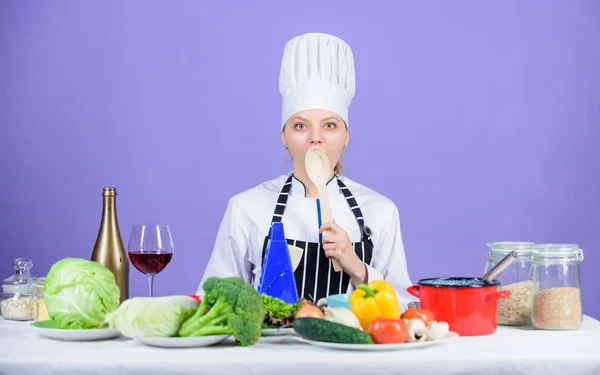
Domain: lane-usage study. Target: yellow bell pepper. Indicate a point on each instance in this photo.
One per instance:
(371, 301)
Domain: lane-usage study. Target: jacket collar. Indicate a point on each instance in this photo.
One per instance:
(299, 189)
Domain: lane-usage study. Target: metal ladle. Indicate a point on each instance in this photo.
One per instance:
(500, 266)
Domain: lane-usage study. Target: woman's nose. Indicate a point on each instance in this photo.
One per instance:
(316, 136)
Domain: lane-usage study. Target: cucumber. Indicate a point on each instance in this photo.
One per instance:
(318, 329)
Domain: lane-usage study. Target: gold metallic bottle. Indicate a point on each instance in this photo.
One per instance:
(109, 250)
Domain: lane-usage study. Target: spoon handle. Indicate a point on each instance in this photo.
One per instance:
(501, 266)
(327, 216)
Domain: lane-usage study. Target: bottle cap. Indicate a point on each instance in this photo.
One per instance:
(109, 191)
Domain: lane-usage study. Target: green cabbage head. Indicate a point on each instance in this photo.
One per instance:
(79, 293)
(152, 316)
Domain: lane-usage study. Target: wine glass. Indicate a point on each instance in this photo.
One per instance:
(150, 249)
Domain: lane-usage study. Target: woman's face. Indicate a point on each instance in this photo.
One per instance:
(315, 127)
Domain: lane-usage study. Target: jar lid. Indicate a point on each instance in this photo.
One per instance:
(21, 281)
(557, 250)
(506, 247)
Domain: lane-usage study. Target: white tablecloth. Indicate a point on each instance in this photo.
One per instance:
(508, 351)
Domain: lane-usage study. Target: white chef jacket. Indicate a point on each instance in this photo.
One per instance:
(246, 223)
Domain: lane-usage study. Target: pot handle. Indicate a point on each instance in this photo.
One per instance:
(415, 290)
(497, 295)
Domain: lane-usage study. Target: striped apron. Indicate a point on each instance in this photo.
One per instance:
(315, 276)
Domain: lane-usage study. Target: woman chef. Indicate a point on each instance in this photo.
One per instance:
(317, 84)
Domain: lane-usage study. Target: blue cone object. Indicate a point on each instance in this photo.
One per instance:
(277, 276)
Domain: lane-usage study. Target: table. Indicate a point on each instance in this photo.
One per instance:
(508, 351)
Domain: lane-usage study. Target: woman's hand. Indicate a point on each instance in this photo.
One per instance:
(337, 246)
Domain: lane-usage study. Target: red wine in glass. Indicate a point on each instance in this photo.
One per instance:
(150, 250)
(150, 262)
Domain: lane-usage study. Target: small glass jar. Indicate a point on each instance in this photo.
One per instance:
(557, 287)
(17, 302)
(514, 310)
(37, 290)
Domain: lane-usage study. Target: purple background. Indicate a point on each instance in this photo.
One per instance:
(481, 121)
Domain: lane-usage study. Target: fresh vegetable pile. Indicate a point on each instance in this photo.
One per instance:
(82, 294)
(374, 318)
(230, 306)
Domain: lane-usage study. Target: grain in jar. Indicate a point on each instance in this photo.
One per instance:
(514, 310)
(557, 308)
(17, 302)
(557, 301)
(18, 307)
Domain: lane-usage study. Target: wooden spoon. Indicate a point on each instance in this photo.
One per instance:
(318, 170)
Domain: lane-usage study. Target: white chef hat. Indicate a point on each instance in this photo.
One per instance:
(317, 72)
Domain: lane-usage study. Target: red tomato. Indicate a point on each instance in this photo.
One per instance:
(425, 315)
(388, 331)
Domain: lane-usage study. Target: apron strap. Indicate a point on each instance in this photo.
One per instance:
(365, 231)
(282, 201)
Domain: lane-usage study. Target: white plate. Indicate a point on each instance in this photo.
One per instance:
(277, 331)
(182, 342)
(48, 329)
(375, 347)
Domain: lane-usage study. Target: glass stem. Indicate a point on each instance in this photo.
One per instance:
(150, 284)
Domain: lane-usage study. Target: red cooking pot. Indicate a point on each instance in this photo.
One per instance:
(468, 305)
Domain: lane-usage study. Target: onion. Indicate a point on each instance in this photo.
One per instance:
(309, 311)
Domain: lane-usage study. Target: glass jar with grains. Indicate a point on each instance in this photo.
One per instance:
(556, 286)
(17, 302)
(514, 310)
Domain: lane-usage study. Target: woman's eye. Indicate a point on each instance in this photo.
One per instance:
(300, 126)
(330, 125)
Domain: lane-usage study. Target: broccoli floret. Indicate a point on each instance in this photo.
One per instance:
(250, 306)
(234, 307)
(219, 299)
